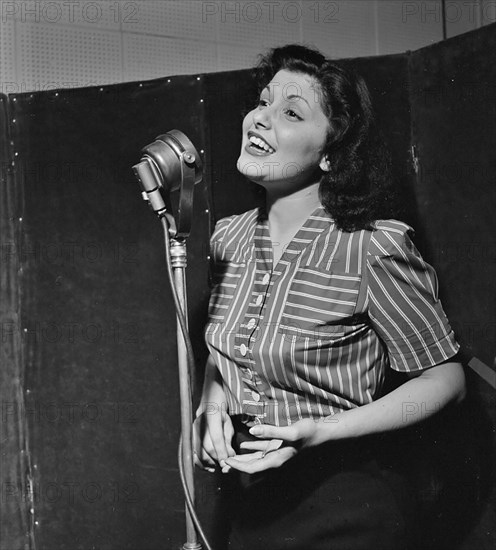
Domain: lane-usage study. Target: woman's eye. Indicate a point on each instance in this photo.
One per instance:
(292, 114)
(262, 103)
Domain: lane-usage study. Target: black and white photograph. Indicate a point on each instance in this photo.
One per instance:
(248, 275)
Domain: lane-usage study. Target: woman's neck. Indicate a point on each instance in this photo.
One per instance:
(286, 215)
(288, 212)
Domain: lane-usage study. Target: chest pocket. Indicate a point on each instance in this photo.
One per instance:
(320, 302)
(226, 278)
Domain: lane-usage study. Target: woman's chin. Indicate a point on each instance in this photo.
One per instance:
(250, 169)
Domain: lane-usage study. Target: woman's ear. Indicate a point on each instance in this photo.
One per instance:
(325, 164)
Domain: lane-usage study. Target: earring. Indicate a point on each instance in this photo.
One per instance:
(324, 165)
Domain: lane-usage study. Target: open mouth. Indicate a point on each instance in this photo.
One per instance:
(259, 145)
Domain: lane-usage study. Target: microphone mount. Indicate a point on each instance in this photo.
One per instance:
(170, 164)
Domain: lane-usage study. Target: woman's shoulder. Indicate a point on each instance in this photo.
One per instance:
(390, 237)
(234, 224)
(392, 226)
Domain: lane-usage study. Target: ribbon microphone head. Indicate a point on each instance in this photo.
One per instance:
(170, 163)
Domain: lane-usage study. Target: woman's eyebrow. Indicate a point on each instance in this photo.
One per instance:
(296, 96)
(269, 89)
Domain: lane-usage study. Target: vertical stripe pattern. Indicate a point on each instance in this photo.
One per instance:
(313, 335)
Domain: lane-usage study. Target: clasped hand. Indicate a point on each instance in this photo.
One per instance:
(212, 436)
(276, 445)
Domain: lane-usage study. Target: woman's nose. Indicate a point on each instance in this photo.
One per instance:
(262, 118)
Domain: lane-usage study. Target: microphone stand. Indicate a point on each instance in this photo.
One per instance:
(173, 157)
(179, 262)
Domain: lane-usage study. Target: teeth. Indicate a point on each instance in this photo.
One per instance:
(261, 143)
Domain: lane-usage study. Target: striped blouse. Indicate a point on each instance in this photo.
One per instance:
(313, 335)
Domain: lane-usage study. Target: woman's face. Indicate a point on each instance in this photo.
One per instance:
(284, 135)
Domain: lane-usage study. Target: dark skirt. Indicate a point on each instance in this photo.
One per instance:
(337, 496)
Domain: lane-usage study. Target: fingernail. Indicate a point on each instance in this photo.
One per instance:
(256, 430)
(222, 463)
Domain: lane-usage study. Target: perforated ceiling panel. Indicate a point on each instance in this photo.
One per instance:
(403, 26)
(8, 81)
(257, 23)
(246, 29)
(341, 29)
(186, 19)
(150, 57)
(97, 14)
(61, 43)
(59, 56)
(488, 12)
(463, 16)
(232, 57)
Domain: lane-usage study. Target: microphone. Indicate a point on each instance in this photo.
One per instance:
(171, 163)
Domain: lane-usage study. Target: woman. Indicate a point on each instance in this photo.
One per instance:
(315, 296)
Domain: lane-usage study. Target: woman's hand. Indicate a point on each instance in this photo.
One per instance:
(271, 453)
(212, 436)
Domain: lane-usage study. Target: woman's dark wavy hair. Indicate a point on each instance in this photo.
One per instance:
(358, 188)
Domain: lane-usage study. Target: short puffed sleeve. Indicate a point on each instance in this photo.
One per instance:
(217, 240)
(403, 303)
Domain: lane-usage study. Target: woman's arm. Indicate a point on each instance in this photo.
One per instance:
(213, 398)
(424, 394)
(212, 429)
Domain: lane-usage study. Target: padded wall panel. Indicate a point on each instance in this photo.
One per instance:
(388, 80)
(454, 130)
(98, 323)
(15, 521)
(454, 106)
(229, 95)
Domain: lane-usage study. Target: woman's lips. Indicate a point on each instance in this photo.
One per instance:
(254, 150)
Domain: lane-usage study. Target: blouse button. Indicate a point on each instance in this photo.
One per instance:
(256, 396)
(251, 323)
(259, 300)
(266, 279)
(243, 349)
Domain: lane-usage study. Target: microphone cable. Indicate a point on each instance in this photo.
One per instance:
(191, 364)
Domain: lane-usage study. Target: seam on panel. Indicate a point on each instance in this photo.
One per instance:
(15, 199)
